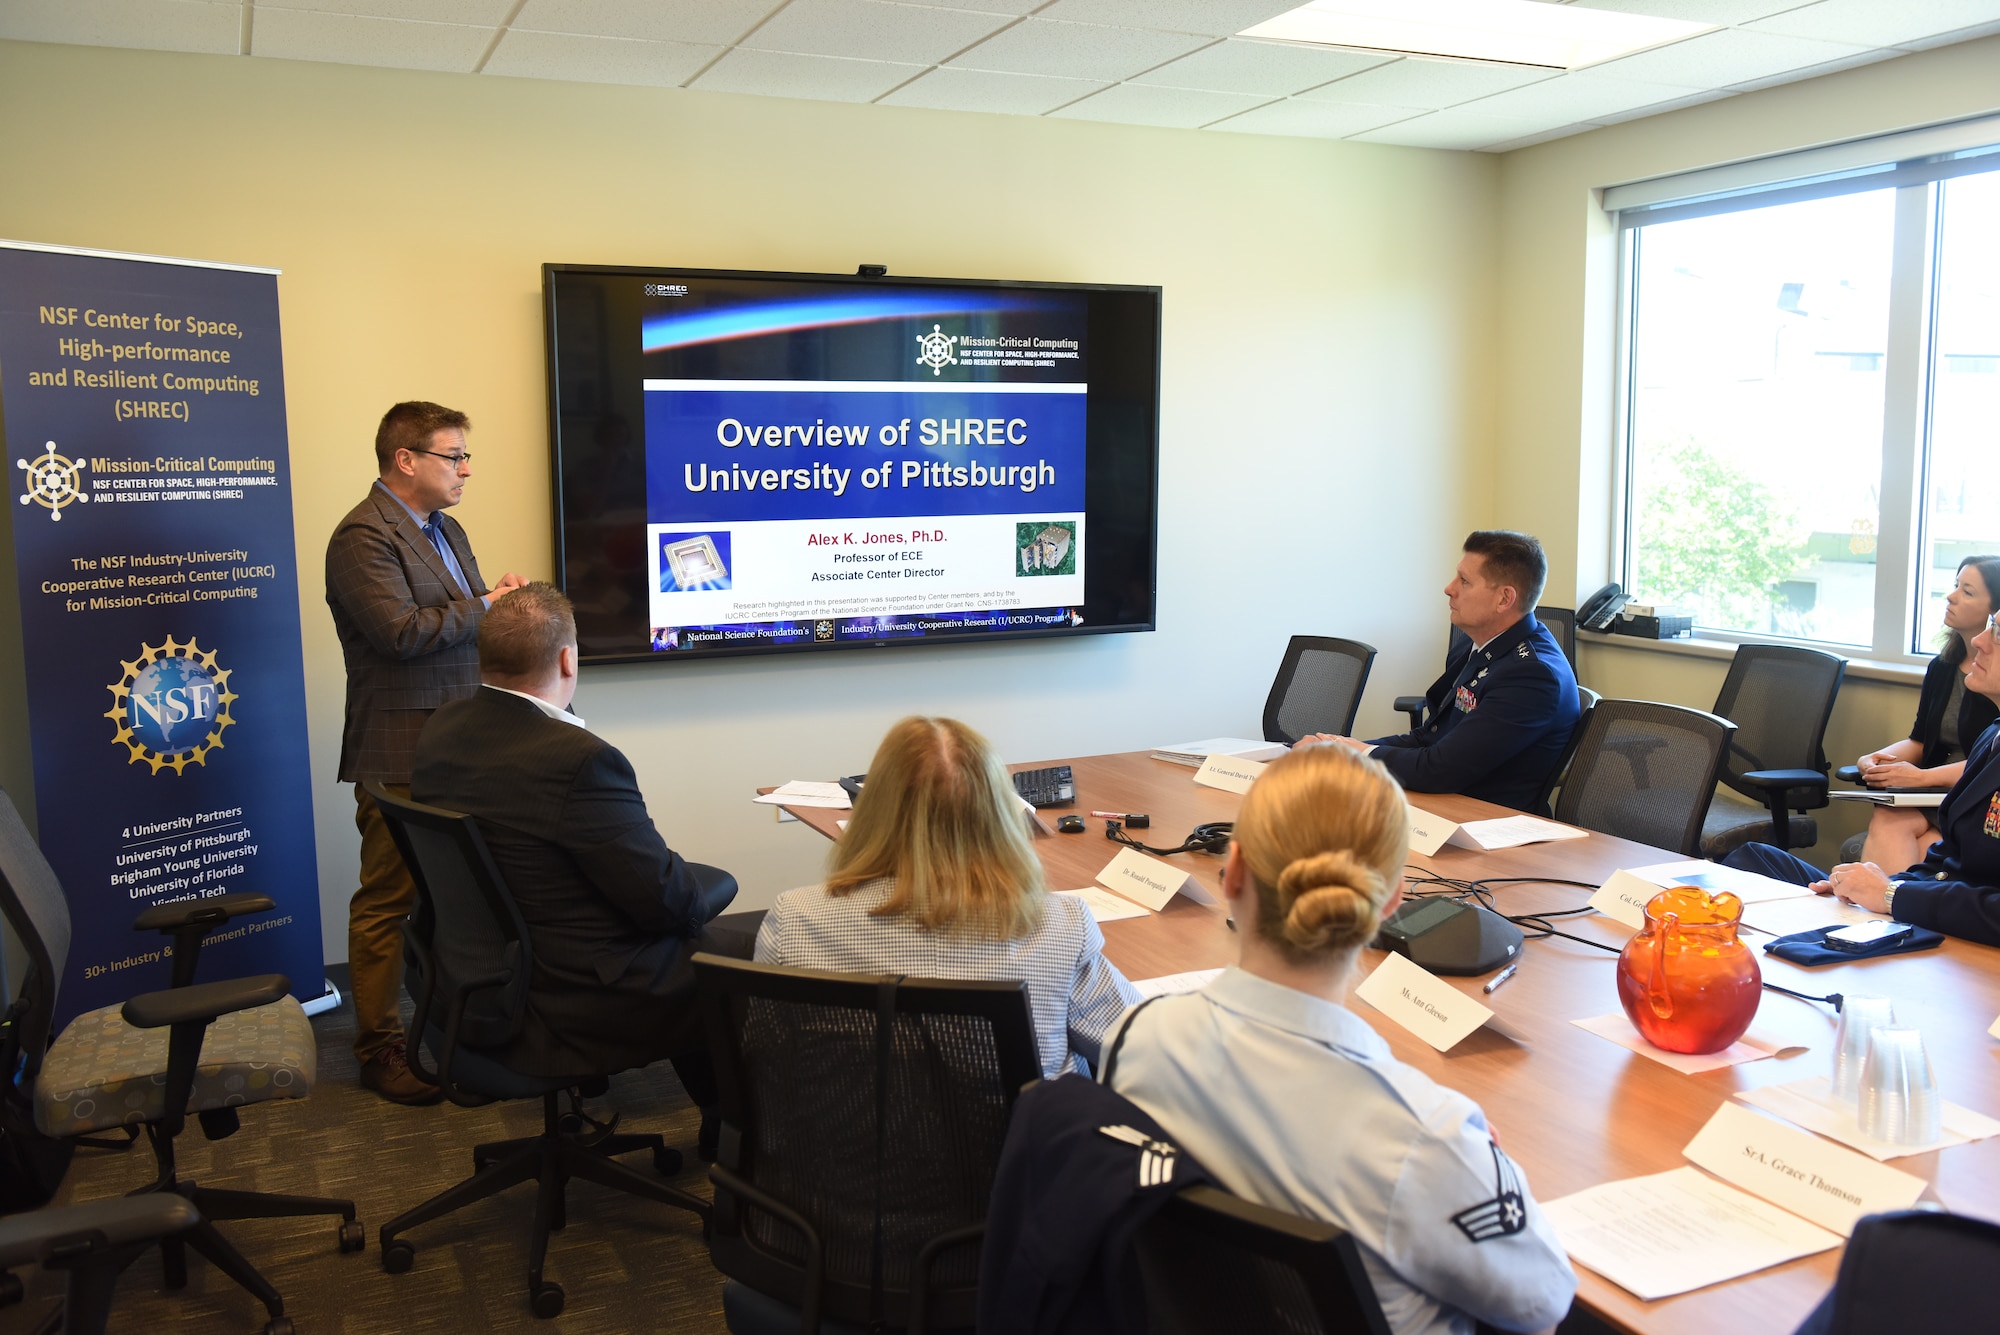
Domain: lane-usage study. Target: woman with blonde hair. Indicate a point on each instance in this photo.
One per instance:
(935, 877)
(1292, 1100)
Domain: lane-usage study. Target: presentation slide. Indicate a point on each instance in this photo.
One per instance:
(862, 466)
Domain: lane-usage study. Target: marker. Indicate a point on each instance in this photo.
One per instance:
(1117, 815)
(1501, 977)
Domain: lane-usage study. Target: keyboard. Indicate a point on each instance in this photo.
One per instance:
(1051, 787)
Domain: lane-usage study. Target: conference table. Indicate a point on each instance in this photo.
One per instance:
(1573, 1109)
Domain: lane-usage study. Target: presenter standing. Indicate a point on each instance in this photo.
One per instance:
(406, 597)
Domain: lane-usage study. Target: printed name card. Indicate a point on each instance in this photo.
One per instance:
(1429, 833)
(1624, 898)
(1994, 1028)
(1811, 1177)
(1421, 1002)
(1150, 881)
(1230, 773)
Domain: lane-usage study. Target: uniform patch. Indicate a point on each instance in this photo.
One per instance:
(1156, 1157)
(1993, 817)
(1466, 702)
(1504, 1215)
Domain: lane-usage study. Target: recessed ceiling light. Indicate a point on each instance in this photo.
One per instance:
(1513, 32)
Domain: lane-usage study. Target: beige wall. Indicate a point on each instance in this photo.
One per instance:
(1327, 362)
(1557, 327)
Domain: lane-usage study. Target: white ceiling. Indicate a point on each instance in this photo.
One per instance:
(1136, 62)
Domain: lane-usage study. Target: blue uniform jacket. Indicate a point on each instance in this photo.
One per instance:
(1496, 722)
(1956, 888)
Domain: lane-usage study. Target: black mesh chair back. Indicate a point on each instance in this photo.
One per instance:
(1911, 1270)
(1586, 700)
(32, 900)
(1215, 1263)
(1561, 622)
(466, 925)
(863, 1119)
(1318, 688)
(1645, 772)
(1780, 699)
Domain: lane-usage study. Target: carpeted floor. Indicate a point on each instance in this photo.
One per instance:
(626, 1264)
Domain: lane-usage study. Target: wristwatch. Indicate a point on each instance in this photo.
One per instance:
(1889, 900)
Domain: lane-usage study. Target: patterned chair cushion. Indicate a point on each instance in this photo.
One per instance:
(103, 1072)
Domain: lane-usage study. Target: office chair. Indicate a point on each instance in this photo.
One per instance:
(1561, 622)
(225, 1044)
(1587, 700)
(1910, 1270)
(93, 1242)
(1780, 699)
(1413, 705)
(1317, 689)
(1645, 772)
(862, 1121)
(473, 961)
(1215, 1264)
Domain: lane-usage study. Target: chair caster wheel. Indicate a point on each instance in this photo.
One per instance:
(546, 1300)
(353, 1237)
(398, 1256)
(666, 1161)
(278, 1325)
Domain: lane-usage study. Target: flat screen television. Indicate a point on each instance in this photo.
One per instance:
(750, 463)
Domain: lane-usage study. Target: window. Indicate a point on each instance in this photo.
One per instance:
(1811, 383)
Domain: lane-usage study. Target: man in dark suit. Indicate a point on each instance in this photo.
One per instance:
(407, 598)
(1498, 720)
(612, 912)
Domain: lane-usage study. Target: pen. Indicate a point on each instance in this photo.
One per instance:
(1501, 977)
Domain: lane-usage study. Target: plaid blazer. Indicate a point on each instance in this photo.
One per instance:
(406, 631)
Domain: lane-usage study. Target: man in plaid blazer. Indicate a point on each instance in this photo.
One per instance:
(407, 597)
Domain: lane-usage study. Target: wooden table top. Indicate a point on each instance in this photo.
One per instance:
(1572, 1109)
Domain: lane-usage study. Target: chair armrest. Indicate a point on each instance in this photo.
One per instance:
(1848, 774)
(1779, 780)
(66, 1231)
(203, 1001)
(1413, 705)
(201, 912)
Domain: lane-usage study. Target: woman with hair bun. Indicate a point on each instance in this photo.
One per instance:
(1292, 1100)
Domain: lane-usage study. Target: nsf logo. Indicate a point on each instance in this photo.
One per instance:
(171, 705)
(934, 350)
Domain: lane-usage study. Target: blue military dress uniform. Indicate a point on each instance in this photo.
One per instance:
(1496, 723)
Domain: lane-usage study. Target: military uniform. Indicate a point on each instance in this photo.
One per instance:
(1292, 1101)
(1495, 724)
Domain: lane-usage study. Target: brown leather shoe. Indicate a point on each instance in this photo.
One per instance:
(388, 1073)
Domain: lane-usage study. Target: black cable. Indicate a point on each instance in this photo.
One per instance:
(1833, 999)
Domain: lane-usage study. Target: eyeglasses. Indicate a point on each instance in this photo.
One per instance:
(455, 460)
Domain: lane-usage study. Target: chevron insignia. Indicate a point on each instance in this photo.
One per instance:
(1156, 1157)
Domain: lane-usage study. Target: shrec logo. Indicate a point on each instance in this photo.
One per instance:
(171, 706)
(53, 481)
(934, 350)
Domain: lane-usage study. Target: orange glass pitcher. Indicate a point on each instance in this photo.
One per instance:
(1686, 982)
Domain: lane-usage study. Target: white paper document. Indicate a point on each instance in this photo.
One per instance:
(1753, 1046)
(1430, 832)
(1169, 984)
(1677, 1231)
(1150, 881)
(1230, 773)
(807, 793)
(1810, 1103)
(1192, 754)
(1811, 1177)
(1932, 798)
(1105, 906)
(1422, 1002)
(1782, 917)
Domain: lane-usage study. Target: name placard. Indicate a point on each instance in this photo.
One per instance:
(1429, 833)
(1813, 1178)
(1624, 898)
(1994, 1028)
(1150, 881)
(1229, 773)
(1422, 1002)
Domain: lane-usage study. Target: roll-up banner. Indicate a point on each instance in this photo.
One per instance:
(143, 406)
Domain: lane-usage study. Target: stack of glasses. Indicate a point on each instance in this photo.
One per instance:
(1881, 1067)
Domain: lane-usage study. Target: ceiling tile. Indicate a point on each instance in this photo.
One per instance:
(1662, 108)
(1314, 120)
(478, 13)
(1459, 127)
(147, 25)
(1175, 108)
(788, 74)
(871, 30)
(1213, 18)
(1011, 8)
(953, 89)
(558, 55)
(1419, 81)
(708, 22)
(1076, 50)
(1701, 11)
(1272, 69)
(1862, 56)
(1722, 59)
(1876, 23)
(346, 39)
(1579, 97)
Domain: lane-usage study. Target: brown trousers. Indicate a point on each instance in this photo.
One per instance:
(375, 929)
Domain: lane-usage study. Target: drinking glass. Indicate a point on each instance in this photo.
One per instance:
(1899, 1093)
(1858, 1015)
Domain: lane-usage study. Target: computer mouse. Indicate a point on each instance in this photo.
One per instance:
(1070, 825)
